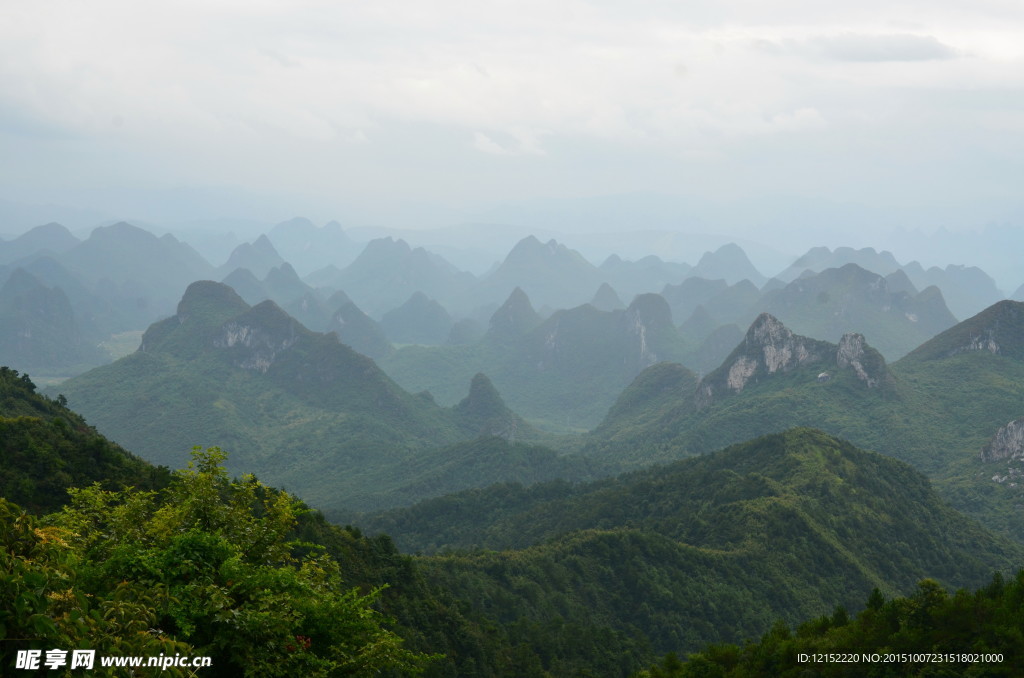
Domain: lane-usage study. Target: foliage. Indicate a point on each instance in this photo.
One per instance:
(46, 448)
(44, 603)
(710, 549)
(203, 566)
(988, 621)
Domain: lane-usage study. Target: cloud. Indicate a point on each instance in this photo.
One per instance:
(521, 143)
(892, 47)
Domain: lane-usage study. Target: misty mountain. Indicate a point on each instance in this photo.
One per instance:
(136, 271)
(420, 320)
(96, 317)
(817, 259)
(722, 303)
(389, 271)
(38, 328)
(1019, 294)
(49, 239)
(966, 289)
(852, 299)
(564, 371)
(257, 257)
(648, 274)
(549, 273)
(296, 407)
(310, 248)
(730, 263)
(283, 286)
(606, 299)
(359, 331)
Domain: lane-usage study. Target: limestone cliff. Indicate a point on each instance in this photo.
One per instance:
(1007, 443)
(769, 347)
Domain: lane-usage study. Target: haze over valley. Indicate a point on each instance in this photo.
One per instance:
(519, 340)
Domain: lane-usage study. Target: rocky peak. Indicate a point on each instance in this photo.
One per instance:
(779, 348)
(867, 363)
(768, 347)
(1007, 443)
(258, 336)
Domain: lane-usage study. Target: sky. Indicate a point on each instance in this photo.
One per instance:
(840, 118)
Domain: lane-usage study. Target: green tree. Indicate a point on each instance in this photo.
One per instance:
(232, 589)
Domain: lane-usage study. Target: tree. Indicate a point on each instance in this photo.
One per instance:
(218, 551)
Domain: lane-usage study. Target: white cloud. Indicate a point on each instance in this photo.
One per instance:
(221, 86)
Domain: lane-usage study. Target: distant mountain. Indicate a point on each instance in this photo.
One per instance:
(936, 408)
(966, 290)
(817, 259)
(359, 331)
(420, 320)
(648, 274)
(563, 371)
(513, 319)
(1019, 294)
(388, 272)
(39, 330)
(852, 299)
(258, 257)
(283, 286)
(606, 299)
(549, 273)
(998, 329)
(296, 407)
(49, 239)
(96, 317)
(246, 285)
(310, 248)
(714, 348)
(730, 263)
(722, 302)
(136, 271)
(710, 549)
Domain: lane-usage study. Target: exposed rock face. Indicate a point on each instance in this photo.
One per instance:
(769, 347)
(780, 350)
(866, 362)
(265, 332)
(647, 318)
(1007, 443)
(982, 342)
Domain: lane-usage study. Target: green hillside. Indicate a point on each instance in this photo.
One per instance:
(929, 632)
(710, 549)
(296, 407)
(46, 448)
(936, 409)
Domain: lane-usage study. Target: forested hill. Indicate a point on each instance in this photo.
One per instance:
(46, 448)
(709, 549)
(298, 408)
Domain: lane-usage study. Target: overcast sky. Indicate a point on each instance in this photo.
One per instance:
(910, 108)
